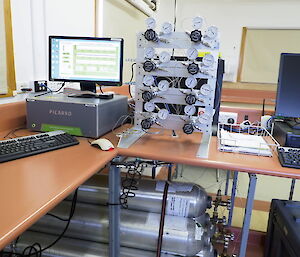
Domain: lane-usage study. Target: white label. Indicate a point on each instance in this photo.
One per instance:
(177, 206)
(171, 222)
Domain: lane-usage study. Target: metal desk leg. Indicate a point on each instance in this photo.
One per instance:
(292, 189)
(114, 211)
(248, 212)
(227, 182)
(232, 198)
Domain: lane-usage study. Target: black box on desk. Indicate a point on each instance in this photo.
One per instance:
(285, 135)
(89, 117)
(283, 235)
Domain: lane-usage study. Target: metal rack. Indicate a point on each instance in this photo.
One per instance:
(175, 91)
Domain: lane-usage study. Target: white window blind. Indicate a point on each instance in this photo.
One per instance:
(3, 67)
(262, 53)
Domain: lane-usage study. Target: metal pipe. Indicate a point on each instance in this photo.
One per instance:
(137, 229)
(114, 211)
(292, 189)
(184, 199)
(162, 220)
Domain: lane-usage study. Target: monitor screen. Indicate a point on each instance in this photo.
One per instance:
(288, 91)
(80, 59)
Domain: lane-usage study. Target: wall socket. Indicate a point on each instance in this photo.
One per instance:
(40, 86)
(228, 117)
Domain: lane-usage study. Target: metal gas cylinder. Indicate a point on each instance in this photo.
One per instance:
(184, 199)
(137, 229)
(69, 247)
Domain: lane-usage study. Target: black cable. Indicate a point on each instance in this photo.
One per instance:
(38, 252)
(101, 89)
(62, 85)
(48, 92)
(175, 14)
(175, 18)
(13, 132)
(132, 74)
(129, 184)
(54, 216)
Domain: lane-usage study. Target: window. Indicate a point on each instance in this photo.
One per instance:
(7, 70)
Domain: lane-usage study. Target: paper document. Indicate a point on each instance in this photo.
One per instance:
(244, 143)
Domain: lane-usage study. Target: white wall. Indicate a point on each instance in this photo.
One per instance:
(120, 19)
(35, 20)
(230, 16)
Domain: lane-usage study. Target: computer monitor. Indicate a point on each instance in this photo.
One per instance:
(288, 91)
(88, 60)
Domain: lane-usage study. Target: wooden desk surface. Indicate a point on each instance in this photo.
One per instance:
(31, 186)
(184, 148)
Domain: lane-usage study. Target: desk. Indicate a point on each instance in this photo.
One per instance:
(31, 186)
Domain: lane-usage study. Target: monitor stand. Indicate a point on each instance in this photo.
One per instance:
(293, 124)
(88, 86)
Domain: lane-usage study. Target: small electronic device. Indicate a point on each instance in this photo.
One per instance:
(288, 91)
(88, 60)
(289, 157)
(13, 149)
(104, 144)
(286, 135)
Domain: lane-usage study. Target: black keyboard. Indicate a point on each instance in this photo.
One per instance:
(289, 157)
(16, 148)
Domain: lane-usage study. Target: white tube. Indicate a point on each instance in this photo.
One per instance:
(142, 6)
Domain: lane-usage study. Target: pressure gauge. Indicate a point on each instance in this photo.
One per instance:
(205, 89)
(151, 23)
(197, 22)
(190, 99)
(149, 53)
(148, 80)
(193, 68)
(151, 35)
(203, 118)
(163, 114)
(163, 85)
(188, 128)
(190, 82)
(208, 60)
(148, 96)
(149, 107)
(149, 66)
(167, 28)
(164, 57)
(192, 53)
(196, 36)
(212, 32)
(189, 110)
(147, 123)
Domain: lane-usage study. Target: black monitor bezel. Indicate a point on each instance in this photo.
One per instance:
(279, 85)
(104, 83)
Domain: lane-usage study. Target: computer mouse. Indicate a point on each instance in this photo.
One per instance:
(104, 144)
